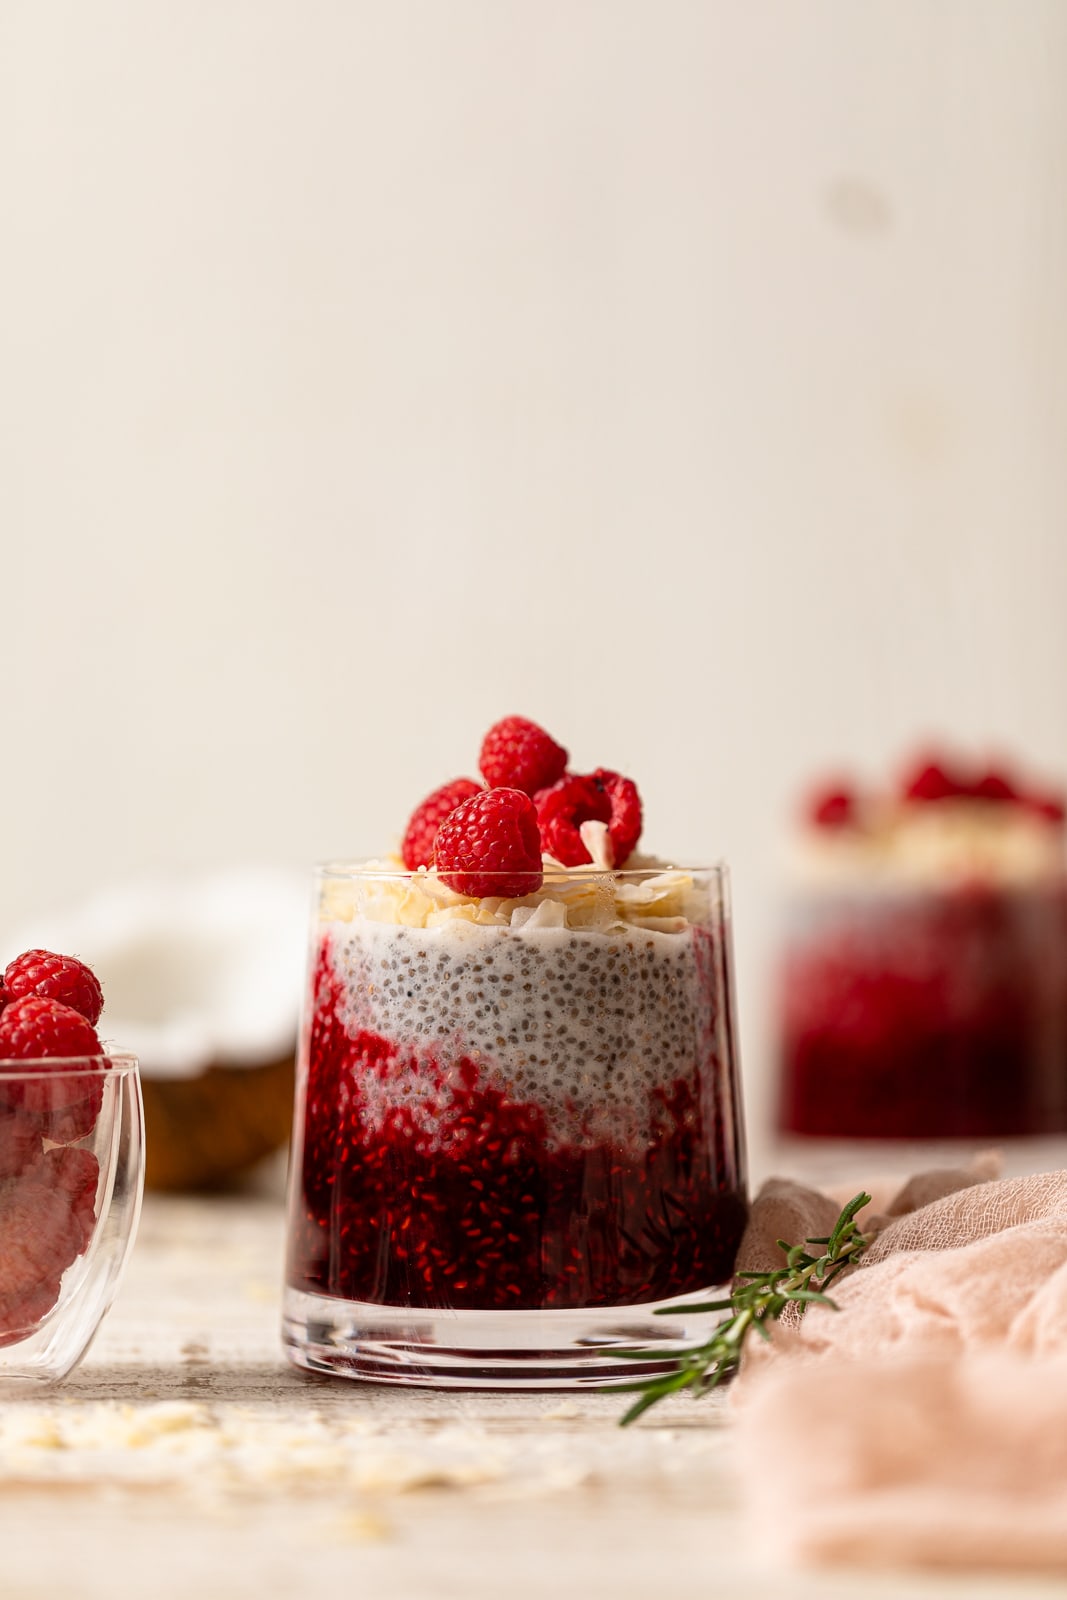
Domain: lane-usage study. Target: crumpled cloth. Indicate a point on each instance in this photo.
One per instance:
(925, 1422)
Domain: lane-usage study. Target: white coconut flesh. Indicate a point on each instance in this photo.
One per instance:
(196, 973)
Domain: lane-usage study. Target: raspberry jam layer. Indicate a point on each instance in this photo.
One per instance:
(934, 1016)
(430, 1172)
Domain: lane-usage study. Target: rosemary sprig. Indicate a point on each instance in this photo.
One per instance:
(757, 1299)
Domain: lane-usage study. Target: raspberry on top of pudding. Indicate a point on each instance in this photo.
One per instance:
(511, 854)
(530, 804)
(944, 822)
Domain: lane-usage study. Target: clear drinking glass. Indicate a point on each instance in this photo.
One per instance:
(518, 1127)
(925, 1014)
(71, 1179)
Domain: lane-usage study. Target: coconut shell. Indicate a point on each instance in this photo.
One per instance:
(206, 1132)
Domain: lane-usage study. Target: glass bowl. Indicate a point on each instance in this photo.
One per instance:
(71, 1180)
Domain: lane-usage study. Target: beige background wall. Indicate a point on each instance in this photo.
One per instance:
(692, 377)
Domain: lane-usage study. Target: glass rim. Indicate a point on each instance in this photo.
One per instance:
(106, 1064)
(379, 870)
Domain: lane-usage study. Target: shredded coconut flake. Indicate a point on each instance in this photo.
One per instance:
(597, 840)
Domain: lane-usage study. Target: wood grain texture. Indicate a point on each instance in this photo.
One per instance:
(184, 1458)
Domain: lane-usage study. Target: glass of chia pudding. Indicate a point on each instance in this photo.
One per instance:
(518, 1122)
(924, 972)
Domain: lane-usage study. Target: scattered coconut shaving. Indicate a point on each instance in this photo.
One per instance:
(205, 1451)
(212, 1454)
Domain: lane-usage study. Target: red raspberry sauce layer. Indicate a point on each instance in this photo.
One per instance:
(490, 1213)
(940, 1018)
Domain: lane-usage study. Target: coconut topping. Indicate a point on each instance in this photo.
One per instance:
(927, 846)
(660, 897)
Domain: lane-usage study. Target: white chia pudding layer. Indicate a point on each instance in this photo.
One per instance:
(594, 1027)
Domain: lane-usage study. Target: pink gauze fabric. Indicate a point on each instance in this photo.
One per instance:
(925, 1422)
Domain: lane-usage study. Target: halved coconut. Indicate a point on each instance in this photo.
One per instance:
(202, 980)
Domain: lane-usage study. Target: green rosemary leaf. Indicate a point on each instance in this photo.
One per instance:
(651, 1355)
(639, 1406)
(846, 1220)
(686, 1310)
(658, 1389)
(711, 1380)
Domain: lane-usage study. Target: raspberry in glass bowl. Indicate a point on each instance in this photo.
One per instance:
(923, 985)
(71, 1166)
(518, 1124)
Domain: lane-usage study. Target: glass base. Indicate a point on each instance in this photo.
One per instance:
(552, 1350)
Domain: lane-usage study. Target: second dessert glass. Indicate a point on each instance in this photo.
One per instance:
(925, 1015)
(923, 996)
(518, 1128)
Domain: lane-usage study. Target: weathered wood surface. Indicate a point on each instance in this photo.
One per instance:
(185, 1458)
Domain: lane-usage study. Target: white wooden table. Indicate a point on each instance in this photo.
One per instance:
(185, 1458)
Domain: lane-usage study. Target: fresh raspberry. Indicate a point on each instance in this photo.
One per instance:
(62, 978)
(34, 1027)
(20, 1143)
(832, 808)
(994, 786)
(600, 796)
(562, 809)
(73, 1109)
(47, 1218)
(34, 1291)
(517, 754)
(1050, 806)
(421, 831)
(932, 781)
(76, 1174)
(624, 822)
(62, 1104)
(491, 845)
